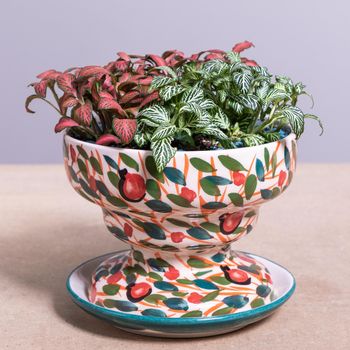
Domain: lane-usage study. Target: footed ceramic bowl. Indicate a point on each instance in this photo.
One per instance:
(180, 224)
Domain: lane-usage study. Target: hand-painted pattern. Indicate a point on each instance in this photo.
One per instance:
(201, 203)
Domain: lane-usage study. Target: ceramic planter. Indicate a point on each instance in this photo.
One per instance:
(180, 225)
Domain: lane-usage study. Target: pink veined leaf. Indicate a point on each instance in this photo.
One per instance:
(159, 61)
(121, 65)
(105, 94)
(64, 123)
(242, 46)
(106, 103)
(248, 62)
(145, 81)
(129, 96)
(127, 85)
(87, 85)
(124, 77)
(64, 82)
(194, 57)
(107, 82)
(49, 74)
(40, 88)
(69, 102)
(125, 129)
(153, 96)
(109, 67)
(84, 113)
(107, 139)
(124, 56)
(92, 70)
(140, 69)
(133, 111)
(213, 56)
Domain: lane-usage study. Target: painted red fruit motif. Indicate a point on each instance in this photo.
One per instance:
(172, 273)
(236, 276)
(281, 178)
(188, 194)
(177, 237)
(132, 187)
(238, 178)
(115, 278)
(135, 292)
(229, 222)
(128, 229)
(194, 298)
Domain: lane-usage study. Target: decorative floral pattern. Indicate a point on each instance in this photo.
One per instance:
(180, 223)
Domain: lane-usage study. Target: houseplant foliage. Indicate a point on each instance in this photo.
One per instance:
(209, 100)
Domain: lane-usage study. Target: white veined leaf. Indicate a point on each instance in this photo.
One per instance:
(236, 106)
(168, 92)
(315, 117)
(299, 88)
(192, 107)
(167, 69)
(154, 115)
(233, 57)
(262, 91)
(207, 104)
(140, 139)
(253, 140)
(250, 101)
(160, 81)
(163, 152)
(214, 66)
(163, 131)
(244, 124)
(295, 118)
(203, 120)
(194, 94)
(275, 95)
(261, 70)
(272, 136)
(221, 120)
(222, 95)
(212, 130)
(234, 67)
(243, 80)
(279, 86)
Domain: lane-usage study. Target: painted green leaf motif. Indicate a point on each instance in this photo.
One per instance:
(259, 168)
(177, 222)
(162, 285)
(267, 158)
(73, 174)
(223, 311)
(204, 284)
(199, 233)
(153, 189)
(82, 168)
(184, 281)
(180, 201)
(158, 206)
(236, 199)
(113, 178)
(274, 164)
(275, 192)
(155, 276)
(154, 298)
(113, 164)
(214, 205)
(138, 256)
(210, 296)
(87, 189)
(111, 289)
(218, 180)
(231, 163)
(82, 152)
(175, 175)
(202, 273)
(122, 305)
(209, 188)
(179, 294)
(218, 257)
(263, 290)
(118, 232)
(96, 165)
(101, 187)
(220, 280)
(250, 186)
(116, 201)
(154, 231)
(236, 301)
(202, 165)
(257, 302)
(153, 312)
(128, 161)
(287, 157)
(266, 194)
(194, 313)
(176, 303)
(197, 263)
(210, 226)
(152, 169)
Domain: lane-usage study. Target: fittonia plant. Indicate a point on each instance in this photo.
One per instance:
(210, 100)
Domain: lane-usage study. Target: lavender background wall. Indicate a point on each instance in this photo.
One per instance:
(307, 40)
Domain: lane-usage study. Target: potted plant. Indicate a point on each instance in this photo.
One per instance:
(180, 153)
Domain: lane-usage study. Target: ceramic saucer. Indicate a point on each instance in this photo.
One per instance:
(79, 281)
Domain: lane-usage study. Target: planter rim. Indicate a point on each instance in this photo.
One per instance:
(290, 137)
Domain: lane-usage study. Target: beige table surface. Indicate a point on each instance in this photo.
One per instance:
(46, 230)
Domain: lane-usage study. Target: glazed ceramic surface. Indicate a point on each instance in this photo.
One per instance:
(180, 224)
(79, 282)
